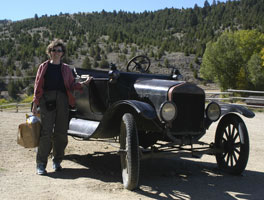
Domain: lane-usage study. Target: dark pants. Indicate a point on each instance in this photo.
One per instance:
(54, 127)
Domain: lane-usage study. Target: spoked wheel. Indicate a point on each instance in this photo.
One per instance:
(232, 137)
(129, 152)
(139, 63)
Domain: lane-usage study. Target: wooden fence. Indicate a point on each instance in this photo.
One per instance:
(238, 97)
(15, 107)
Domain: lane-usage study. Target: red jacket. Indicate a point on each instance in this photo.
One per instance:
(68, 78)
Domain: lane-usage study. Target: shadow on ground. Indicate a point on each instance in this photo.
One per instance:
(167, 178)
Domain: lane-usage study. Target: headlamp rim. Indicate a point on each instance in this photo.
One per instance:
(161, 108)
(207, 109)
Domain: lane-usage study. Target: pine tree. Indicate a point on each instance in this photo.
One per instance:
(86, 63)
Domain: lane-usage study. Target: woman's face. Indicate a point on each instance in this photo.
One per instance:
(56, 53)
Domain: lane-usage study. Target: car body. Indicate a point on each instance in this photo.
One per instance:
(141, 109)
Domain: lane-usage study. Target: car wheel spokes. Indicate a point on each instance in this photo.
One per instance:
(231, 143)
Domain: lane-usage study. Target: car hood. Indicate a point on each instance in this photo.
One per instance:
(157, 91)
(155, 87)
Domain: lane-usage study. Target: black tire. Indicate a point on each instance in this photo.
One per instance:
(232, 137)
(129, 149)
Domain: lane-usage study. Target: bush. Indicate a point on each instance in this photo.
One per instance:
(86, 63)
(12, 89)
(28, 99)
(231, 57)
(3, 101)
(104, 64)
(256, 72)
(30, 90)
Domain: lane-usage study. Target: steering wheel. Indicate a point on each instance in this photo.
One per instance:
(139, 63)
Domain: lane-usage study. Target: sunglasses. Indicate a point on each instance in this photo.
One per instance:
(56, 50)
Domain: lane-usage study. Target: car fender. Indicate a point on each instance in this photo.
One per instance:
(142, 108)
(145, 117)
(232, 108)
(227, 109)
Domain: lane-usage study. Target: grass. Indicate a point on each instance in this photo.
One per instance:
(28, 99)
(4, 103)
(2, 169)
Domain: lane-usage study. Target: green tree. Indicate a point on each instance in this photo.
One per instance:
(166, 63)
(222, 61)
(262, 56)
(97, 56)
(104, 64)
(249, 42)
(18, 72)
(227, 60)
(109, 48)
(92, 51)
(2, 85)
(24, 64)
(256, 71)
(2, 69)
(95, 64)
(151, 54)
(30, 90)
(12, 89)
(86, 63)
(125, 51)
(160, 53)
(36, 17)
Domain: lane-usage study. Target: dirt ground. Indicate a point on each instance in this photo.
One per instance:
(92, 171)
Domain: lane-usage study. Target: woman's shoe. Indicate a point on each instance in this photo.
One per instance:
(41, 169)
(57, 167)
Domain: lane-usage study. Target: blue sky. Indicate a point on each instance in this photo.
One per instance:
(23, 9)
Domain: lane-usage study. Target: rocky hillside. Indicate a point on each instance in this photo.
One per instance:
(170, 37)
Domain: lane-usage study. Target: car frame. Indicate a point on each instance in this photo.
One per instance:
(156, 113)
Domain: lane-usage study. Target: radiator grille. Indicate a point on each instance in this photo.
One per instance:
(190, 112)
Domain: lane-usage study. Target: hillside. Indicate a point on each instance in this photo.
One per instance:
(170, 37)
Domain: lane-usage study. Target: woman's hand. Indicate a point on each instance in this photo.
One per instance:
(87, 81)
(34, 109)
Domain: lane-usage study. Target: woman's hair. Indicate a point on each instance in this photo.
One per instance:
(56, 43)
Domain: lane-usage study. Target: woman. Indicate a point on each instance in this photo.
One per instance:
(53, 94)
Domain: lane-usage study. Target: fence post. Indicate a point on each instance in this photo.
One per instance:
(231, 95)
(17, 107)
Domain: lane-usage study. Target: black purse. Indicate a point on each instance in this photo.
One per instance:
(50, 105)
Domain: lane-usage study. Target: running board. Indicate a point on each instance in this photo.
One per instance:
(82, 128)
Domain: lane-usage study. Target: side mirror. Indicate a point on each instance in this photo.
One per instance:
(113, 67)
(176, 75)
(113, 74)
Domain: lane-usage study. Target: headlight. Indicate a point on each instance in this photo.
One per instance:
(168, 111)
(213, 111)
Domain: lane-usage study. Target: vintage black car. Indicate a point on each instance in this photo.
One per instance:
(151, 112)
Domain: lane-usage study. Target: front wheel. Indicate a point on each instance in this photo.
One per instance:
(232, 138)
(129, 152)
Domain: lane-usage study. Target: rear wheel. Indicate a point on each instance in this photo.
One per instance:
(129, 152)
(232, 138)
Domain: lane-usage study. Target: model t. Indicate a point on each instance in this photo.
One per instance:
(153, 112)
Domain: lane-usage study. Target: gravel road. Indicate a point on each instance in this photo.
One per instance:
(92, 171)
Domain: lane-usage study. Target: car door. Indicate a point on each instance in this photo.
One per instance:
(92, 102)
